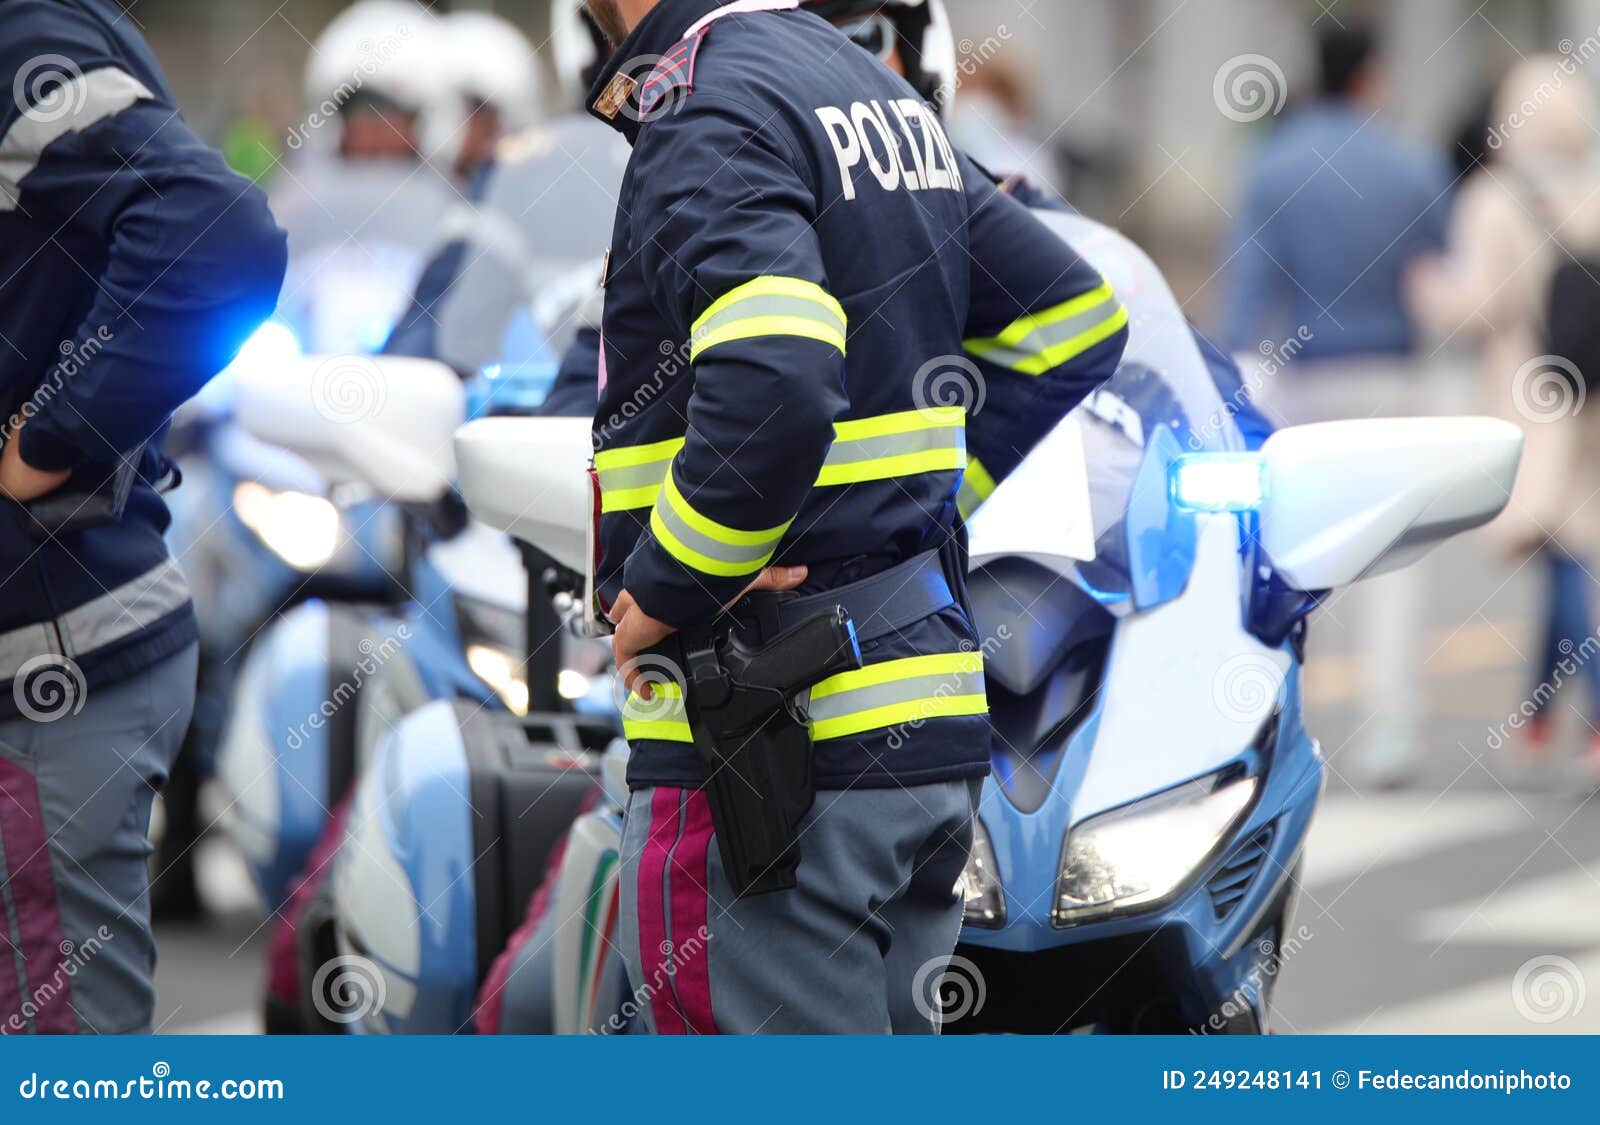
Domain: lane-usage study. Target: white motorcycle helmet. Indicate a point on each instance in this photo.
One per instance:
(921, 31)
(484, 62)
(490, 62)
(377, 49)
(578, 48)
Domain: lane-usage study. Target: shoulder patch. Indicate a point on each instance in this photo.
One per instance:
(672, 80)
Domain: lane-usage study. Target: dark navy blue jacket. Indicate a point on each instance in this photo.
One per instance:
(132, 266)
(808, 290)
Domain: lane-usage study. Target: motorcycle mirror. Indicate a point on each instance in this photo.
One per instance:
(1350, 500)
(529, 477)
(382, 421)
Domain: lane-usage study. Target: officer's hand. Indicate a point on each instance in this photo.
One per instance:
(22, 482)
(637, 630)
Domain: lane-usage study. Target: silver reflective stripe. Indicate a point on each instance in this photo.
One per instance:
(635, 476)
(940, 685)
(897, 445)
(753, 555)
(804, 308)
(71, 106)
(1041, 340)
(110, 618)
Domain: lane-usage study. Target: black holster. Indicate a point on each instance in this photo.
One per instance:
(753, 737)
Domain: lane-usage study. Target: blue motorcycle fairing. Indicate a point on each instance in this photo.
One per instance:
(411, 816)
(1217, 938)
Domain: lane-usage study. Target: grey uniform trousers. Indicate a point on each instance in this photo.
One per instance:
(852, 950)
(76, 787)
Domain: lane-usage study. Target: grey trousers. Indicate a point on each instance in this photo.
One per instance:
(851, 950)
(76, 787)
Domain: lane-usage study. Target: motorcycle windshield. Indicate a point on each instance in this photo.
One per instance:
(531, 253)
(359, 233)
(1091, 501)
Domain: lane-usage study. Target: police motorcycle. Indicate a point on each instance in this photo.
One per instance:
(462, 809)
(326, 683)
(388, 84)
(1142, 585)
(1136, 856)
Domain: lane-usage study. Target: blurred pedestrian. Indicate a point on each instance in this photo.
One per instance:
(1532, 209)
(1337, 206)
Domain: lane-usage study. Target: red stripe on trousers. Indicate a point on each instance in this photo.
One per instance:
(652, 912)
(33, 894)
(691, 914)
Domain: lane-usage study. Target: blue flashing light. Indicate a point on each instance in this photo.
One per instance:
(1219, 482)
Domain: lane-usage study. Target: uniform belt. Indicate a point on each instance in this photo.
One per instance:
(881, 605)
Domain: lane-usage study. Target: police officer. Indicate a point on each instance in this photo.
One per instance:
(796, 227)
(132, 266)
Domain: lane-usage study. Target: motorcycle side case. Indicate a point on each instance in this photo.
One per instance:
(288, 752)
(449, 838)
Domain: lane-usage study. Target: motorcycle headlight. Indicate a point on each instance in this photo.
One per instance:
(502, 672)
(979, 885)
(494, 639)
(301, 529)
(1136, 856)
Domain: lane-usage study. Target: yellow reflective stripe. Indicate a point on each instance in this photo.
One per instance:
(1042, 341)
(632, 455)
(661, 731)
(661, 718)
(909, 421)
(911, 690)
(976, 487)
(1019, 331)
(874, 675)
(768, 326)
(631, 477)
(628, 499)
(912, 711)
(931, 441)
(771, 287)
(705, 545)
(1061, 353)
(886, 468)
(771, 306)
